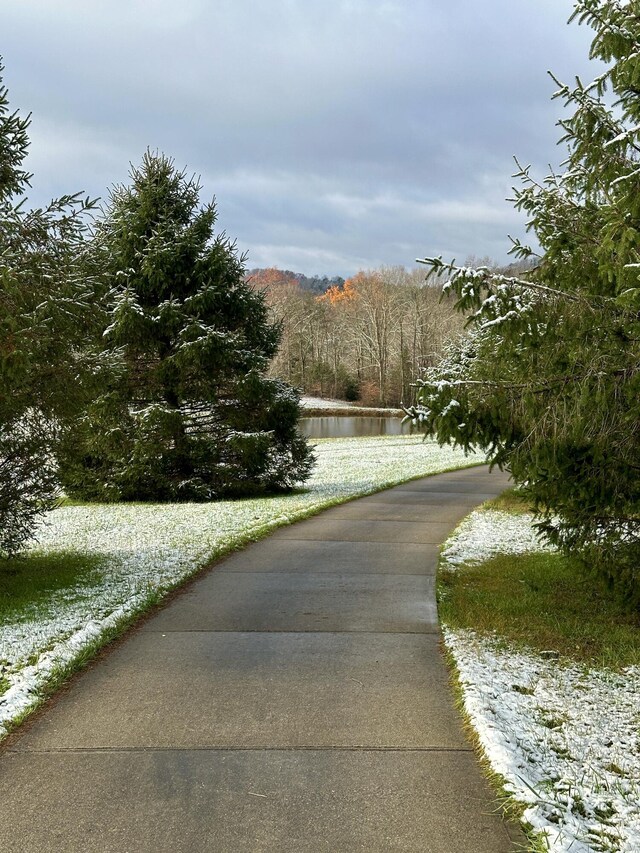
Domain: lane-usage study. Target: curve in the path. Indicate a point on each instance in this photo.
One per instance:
(294, 699)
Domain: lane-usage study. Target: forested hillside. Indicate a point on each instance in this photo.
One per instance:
(367, 338)
(314, 283)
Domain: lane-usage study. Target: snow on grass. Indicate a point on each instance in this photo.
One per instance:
(321, 403)
(485, 533)
(146, 549)
(564, 737)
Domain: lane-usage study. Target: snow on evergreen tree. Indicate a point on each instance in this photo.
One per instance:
(548, 381)
(46, 314)
(192, 417)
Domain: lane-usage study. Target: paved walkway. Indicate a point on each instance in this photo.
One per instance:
(292, 700)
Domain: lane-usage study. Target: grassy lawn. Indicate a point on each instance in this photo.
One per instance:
(547, 668)
(509, 501)
(27, 583)
(541, 600)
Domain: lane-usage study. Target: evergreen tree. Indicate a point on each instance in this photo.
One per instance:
(548, 381)
(192, 417)
(46, 314)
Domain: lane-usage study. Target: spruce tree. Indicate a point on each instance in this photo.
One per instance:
(47, 368)
(548, 381)
(191, 417)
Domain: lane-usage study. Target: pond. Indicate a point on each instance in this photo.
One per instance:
(346, 426)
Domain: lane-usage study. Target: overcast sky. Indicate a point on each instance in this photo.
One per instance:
(335, 134)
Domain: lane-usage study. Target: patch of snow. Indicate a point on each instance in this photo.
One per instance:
(564, 737)
(485, 533)
(451, 405)
(321, 403)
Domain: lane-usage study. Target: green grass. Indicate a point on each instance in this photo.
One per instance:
(511, 500)
(27, 583)
(545, 602)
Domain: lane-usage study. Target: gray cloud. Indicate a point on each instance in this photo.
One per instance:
(336, 134)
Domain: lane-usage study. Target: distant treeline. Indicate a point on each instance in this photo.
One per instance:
(365, 339)
(314, 284)
(368, 338)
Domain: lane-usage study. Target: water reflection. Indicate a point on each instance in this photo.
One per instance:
(349, 427)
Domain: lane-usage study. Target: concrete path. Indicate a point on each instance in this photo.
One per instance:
(292, 700)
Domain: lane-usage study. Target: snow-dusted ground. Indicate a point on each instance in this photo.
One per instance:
(566, 738)
(147, 548)
(485, 533)
(321, 403)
